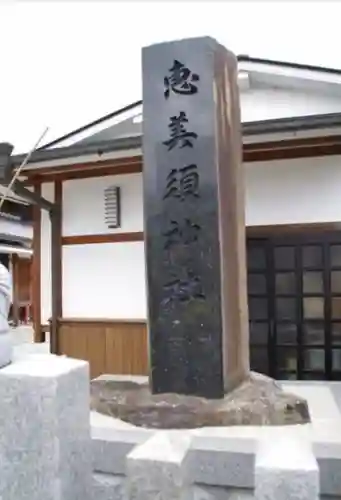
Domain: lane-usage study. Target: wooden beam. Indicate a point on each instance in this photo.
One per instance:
(78, 170)
(306, 147)
(86, 239)
(251, 231)
(290, 153)
(313, 228)
(297, 142)
(20, 189)
(39, 335)
(56, 264)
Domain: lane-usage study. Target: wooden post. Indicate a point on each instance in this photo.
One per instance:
(39, 335)
(56, 265)
(16, 289)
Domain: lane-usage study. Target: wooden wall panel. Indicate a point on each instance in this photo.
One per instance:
(110, 346)
(126, 349)
(83, 341)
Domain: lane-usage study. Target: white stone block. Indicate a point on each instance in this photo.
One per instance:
(286, 468)
(216, 493)
(158, 468)
(111, 446)
(45, 429)
(223, 456)
(108, 487)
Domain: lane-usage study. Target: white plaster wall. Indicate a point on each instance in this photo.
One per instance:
(83, 205)
(277, 192)
(293, 191)
(108, 280)
(45, 275)
(104, 281)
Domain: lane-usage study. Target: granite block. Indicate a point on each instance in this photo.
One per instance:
(158, 469)
(108, 487)
(222, 469)
(45, 429)
(73, 407)
(286, 468)
(218, 493)
(112, 442)
(222, 461)
(327, 449)
(330, 476)
(335, 387)
(327, 497)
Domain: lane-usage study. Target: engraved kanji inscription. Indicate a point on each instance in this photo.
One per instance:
(178, 133)
(186, 233)
(182, 182)
(184, 289)
(180, 80)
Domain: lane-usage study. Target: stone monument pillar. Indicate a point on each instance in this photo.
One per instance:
(195, 257)
(194, 218)
(5, 303)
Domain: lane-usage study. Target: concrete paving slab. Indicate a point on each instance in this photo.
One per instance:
(321, 401)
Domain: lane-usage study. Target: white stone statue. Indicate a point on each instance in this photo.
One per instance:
(5, 304)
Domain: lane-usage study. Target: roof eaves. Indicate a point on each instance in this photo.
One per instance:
(284, 64)
(295, 124)
(240, 58)
(99, 148)
(92, 124)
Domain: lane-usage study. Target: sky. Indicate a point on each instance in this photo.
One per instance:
(67, 63)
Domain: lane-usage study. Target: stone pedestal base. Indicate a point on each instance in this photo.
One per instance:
(162, 467)
(257, 401)
(287, 469)
(158, 469)
(6, 349)
(45, 429)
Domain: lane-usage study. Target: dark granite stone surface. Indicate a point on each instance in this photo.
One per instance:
(194, 321)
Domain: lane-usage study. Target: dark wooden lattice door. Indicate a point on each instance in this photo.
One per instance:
(294, 287)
